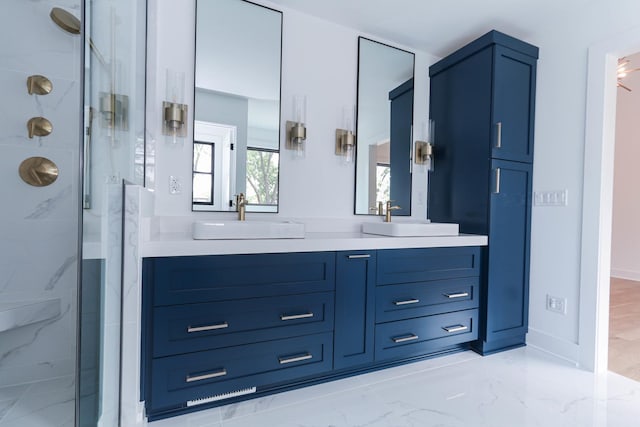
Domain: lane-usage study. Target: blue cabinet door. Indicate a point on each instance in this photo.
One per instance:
(507, 280)
(513, 105)
(460, 100)
(354, 308)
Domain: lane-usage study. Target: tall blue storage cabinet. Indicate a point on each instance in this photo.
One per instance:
(482, 101)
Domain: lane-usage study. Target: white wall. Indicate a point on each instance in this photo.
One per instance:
(559, 162)
(319, 61)
(625, 242)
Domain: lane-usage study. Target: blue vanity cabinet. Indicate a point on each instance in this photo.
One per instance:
(219, 329)
(223, 326)
(426, 301)
(482, 100)
(355, 308)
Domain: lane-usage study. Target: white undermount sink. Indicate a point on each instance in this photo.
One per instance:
(410, 229)
(211, 230)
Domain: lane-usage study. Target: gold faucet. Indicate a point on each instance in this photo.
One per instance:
(389, 208)
(379, 210)
(241, 204)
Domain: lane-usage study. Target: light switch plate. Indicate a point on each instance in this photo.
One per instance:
(551, 198)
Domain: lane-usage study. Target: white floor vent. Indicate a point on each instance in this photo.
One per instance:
(222, 396)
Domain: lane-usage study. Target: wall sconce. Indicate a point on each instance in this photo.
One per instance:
(345, 138)
(424, 149)
(296, 129)
(114, 111)
(174, 111)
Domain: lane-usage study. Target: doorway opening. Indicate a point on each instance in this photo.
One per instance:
(624, 305)
(597, 205)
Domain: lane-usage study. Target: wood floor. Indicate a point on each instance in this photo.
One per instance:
(624, 328)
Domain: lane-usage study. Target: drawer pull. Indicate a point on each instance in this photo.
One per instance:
(405, 338)
(300, 358)
(220, 373)
(458, 295)
(295, 316)
(192, 329)
(455, 328)
(358, 256)
(408, 301)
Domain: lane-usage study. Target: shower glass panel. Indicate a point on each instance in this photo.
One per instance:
(113, 152)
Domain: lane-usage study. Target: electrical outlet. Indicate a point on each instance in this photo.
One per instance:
(175, 186)
(112, 179)
(557, 304)
(551, 198)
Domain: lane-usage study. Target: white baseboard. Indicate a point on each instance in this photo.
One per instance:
(625, 274)
(563, 349)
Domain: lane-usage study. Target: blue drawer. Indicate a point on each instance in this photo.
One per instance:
(176, 380)
(410, 300)
(419, 265)
(195, 327)
(195, 279)
(423, 335)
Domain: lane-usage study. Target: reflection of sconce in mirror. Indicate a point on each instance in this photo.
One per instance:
(296, 129)
(345, 139)
(174, 110)
(114, 111)
(424, 149)
(39, 85)
(424, 153)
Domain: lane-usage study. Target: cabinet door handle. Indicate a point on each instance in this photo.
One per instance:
(406, 302)
(499, 135)
(222, 325)
(497, 183)
(295, 316)
(410, 337)
(221, 373)
(358, 256)
(292, 359)
(455, 328)
(457, 295)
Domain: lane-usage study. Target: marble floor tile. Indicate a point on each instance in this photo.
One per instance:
(519, 388)
(41, 404)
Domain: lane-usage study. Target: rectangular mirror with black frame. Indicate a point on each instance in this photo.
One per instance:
(384, 124)
(236, 145)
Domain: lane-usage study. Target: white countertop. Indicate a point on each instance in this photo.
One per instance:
(181, 244)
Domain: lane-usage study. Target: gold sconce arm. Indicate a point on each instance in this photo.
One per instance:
(345, 141)
(174, 118)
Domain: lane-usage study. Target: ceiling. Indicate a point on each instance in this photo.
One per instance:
(439, 26)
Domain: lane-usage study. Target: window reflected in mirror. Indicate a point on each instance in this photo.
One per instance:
(262, 179)
(203, 172)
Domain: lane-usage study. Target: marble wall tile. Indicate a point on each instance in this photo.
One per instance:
(43, 47)
(39, 245)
